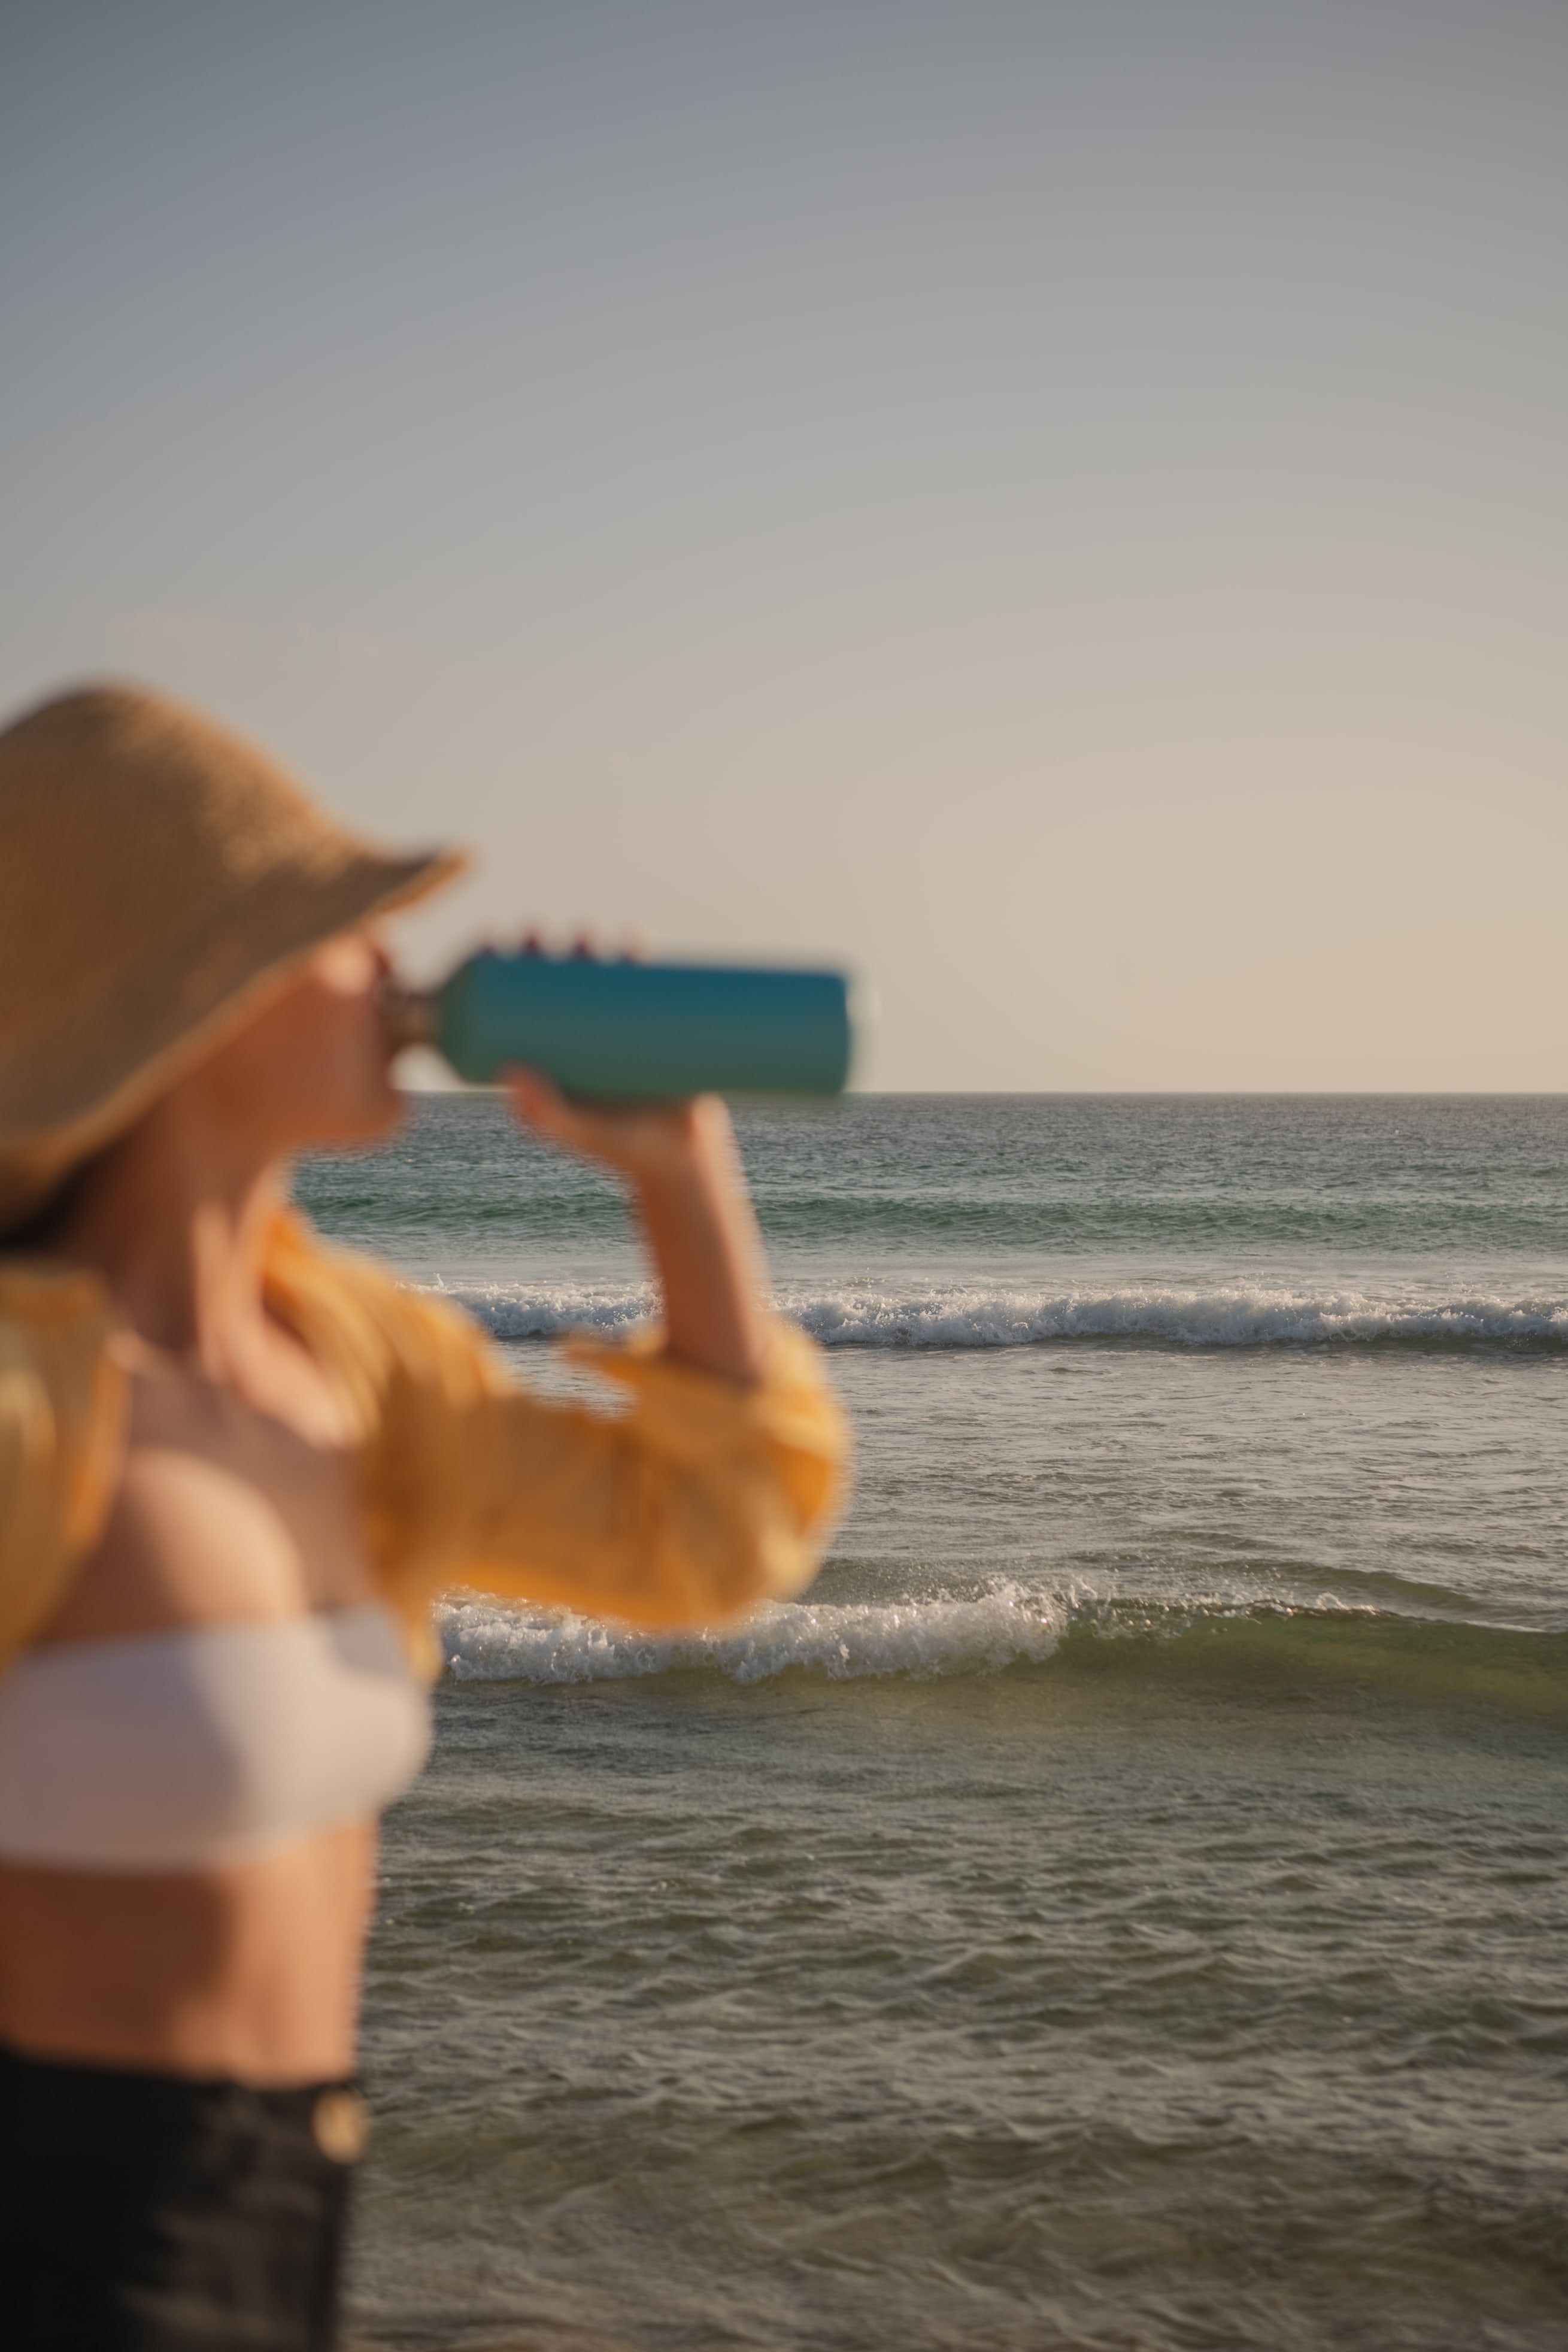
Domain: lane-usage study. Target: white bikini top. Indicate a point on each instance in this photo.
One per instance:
(179, 1751)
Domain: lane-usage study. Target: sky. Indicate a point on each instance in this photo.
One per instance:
(1062, 507)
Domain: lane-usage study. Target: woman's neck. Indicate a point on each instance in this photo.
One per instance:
(176, 1217)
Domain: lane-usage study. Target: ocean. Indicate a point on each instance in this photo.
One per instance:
(1123, 1905)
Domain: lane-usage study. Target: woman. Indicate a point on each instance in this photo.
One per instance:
(234, 1469)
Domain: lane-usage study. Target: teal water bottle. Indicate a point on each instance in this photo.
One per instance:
(638, 1031)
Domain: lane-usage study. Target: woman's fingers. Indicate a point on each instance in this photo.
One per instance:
(640, 1139)
(534, 1094)
(540, 1104)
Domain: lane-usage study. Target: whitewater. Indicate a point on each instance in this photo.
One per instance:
(1121, 1903)
(969, 1315)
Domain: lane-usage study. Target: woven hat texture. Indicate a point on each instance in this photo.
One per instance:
(158, 874)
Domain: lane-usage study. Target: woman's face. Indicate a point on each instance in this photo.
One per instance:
(311, 1067)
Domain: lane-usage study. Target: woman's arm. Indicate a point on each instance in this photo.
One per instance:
(700, 1494)
(716, 1485)
(682, 1164)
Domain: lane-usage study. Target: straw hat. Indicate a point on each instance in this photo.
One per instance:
(158, 877)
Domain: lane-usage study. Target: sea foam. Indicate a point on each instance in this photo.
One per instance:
(1264, 1653)
(845, 1641)
(1231, 1315)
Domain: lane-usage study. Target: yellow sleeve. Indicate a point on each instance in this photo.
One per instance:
(697, 1500)
(693, 1501)
(62, 1432)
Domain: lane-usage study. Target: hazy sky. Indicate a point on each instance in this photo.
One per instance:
(1066, 506)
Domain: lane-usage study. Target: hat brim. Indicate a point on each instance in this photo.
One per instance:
(236, 970)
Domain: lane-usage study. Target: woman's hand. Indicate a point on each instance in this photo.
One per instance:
(641, 1140)
(686, 1173)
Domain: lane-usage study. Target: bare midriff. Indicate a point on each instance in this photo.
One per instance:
(250, 1973)
(248, 1970)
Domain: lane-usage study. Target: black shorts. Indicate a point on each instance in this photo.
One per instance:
(150, 2213)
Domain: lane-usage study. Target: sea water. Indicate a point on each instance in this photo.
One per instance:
(1123, 1904)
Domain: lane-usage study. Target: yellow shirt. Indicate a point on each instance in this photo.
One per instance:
(697, 1500)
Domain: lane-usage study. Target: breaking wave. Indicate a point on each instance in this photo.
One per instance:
(1255, 1651)
(485, 1642)
(1236, 1315)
